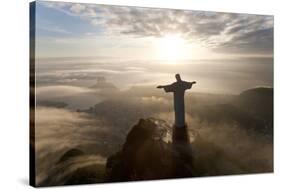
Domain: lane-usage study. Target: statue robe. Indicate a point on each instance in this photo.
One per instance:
(178, 88)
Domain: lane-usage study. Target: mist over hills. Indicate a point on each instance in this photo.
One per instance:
(237, 126)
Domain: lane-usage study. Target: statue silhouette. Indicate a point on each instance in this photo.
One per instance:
(178, 88)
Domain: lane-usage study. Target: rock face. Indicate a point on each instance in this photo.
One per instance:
(148, 154)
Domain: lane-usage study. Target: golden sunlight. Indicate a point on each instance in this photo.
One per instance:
(172, 48)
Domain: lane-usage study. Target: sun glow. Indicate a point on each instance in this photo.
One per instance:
(172, 48)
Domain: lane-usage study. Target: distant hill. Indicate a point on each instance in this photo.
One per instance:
(251, 110)
(258, 102)
(54, 104)
(103, 84)
(75, 167)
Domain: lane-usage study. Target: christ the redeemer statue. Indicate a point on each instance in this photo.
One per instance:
(178, 88)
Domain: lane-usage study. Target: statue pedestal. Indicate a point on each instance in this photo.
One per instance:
(180, 139)
(182, 147)
(180, 134)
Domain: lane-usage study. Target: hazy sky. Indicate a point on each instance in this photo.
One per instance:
(72, 29)
(223, 52)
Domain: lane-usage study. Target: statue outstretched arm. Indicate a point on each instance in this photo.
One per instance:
(188, 85)
(167, 88)
(162, 86)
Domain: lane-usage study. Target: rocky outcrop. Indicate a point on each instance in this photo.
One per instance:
(148, 154)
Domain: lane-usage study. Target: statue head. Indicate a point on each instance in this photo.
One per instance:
(178, 77)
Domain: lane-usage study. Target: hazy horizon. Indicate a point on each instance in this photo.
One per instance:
(218, 76)
(134, 46)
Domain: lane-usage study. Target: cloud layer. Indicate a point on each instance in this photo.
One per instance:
(224, 76)
(222, 32)
(103, 132)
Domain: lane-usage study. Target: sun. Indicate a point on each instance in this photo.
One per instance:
(172, 48)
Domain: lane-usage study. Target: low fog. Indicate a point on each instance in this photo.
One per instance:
(229, 76)
(97, 118)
